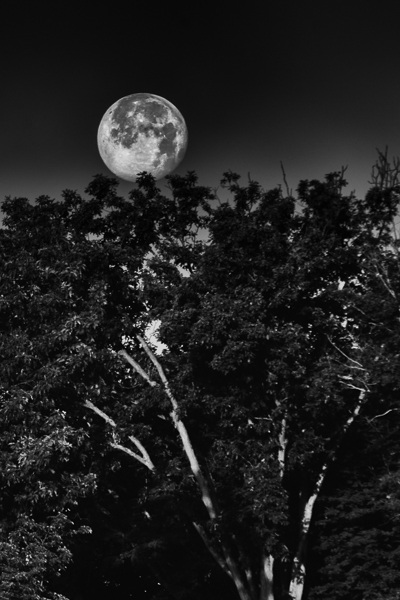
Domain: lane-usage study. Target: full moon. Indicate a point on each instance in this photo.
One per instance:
(142, 132)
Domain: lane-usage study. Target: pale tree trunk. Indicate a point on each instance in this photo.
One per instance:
(299, 562)
(244, 581)
(244, 593)
(298, 576)
(267, 578)
(224, 558)
(282, 448)
(267, 562)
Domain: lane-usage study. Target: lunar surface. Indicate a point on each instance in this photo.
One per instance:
(142, 132)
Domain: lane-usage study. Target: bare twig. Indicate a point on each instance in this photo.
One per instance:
(345, 355)
(382, 415)
(385, 283)
(384, 175)
(288, 191)
(354, 387)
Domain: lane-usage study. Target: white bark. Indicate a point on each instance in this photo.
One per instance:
(299, 567)
(228, 563)
(283, 441)
(180, 426)
(137, 368)
(282, 448)
(250, 581)
(143, 458)
(267, 578)
(297, 584)
(242, 590)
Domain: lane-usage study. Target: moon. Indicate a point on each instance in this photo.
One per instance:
(142, 132)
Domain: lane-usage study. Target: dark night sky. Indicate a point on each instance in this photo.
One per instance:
(313, 83)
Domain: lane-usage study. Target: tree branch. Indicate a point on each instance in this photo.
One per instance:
(144, 458)
(204, 484)
(345, 355)
(212, 550)
(179, 425)
(299, 567)
(159, 368)
(147, 460)
(288, 191)
(382, 415)
(100, 413)
(383, 174)
(385, 283)
(137, 368)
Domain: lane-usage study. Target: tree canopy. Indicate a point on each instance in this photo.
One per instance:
(256, 455)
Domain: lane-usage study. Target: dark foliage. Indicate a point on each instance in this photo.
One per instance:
(281, 325)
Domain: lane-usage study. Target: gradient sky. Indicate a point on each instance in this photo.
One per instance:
(312, 83)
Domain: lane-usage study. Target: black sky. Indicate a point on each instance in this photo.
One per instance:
(313, 83)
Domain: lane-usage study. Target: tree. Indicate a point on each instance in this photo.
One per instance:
(62, 296)
(70, 292)
(265, 307)
(357, 529)
(356, 538)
